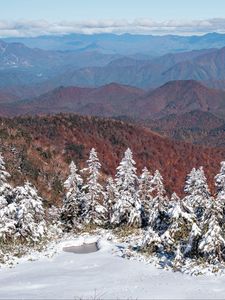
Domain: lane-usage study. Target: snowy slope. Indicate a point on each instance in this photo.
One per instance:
(100, 275)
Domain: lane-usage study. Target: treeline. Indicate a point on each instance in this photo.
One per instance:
(181, 229)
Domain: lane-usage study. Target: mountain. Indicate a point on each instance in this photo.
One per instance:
(21, 65)
(201, 65)
(195, 127)
(40, 149)
(207, 67)
(113, 100)
(109, 100)
(178, 97)
(124, 44)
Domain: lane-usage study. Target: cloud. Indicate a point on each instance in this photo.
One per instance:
(31, 28)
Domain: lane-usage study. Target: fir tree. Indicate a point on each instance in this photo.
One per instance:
(145, 194)
(8, 208)
(31, 225)
(159, 204)
(8, 222)
(127, 209)
(110, 196)
(151, 241)
(198, 192)
(212, 243)
(94, 211)
(72, 202)
(5, 188)
(220, 195)
(220, 181)
(180, 223)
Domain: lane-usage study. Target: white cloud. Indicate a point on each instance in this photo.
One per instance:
(144, 26)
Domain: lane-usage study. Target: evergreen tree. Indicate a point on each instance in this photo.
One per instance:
(180, 223)
(191, 247)
(145, 194)
(178, 259)
(151, 241)
(8, 223)
(94, 212)
(220, 181)
(127, 209)
(198, 192)
(110, 196)
(212, 243)
(159, 205)
(30, 222)
(5, 188)
(7, 206)
(220, 195)
(72, 202)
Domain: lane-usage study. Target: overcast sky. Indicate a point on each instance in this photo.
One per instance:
(34, 17)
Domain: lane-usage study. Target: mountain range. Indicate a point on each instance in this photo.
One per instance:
(124, 44)
(113, 100)
(36, 68)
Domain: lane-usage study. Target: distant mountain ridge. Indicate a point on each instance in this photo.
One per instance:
(124, 44)
(111, 100)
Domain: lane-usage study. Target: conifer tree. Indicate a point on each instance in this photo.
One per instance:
(212, 243)
(180, 223)
(127, 209)
(198, 195)
(5, 188)
(220, 187)
(110, 196)
(8, 207)
(94, 211)
(151, 241)
(159, 204)
(72, 202)
(30, 217)
(220, 181)
(145, 194)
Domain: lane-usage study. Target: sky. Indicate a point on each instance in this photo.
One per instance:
(34, 17)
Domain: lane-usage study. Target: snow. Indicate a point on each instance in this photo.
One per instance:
(100, 275)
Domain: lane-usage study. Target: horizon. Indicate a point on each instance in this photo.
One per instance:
(23, 18)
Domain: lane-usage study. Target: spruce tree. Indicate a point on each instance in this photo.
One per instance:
(127, 209)
(212, 243)
(110, 196)
(159, 204)
(94, 211)
(30, 217)
(198, 194)
(8, 208)
(72, 203)
(145, 190)
(180, 222)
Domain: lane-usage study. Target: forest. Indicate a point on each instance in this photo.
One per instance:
(184, 230)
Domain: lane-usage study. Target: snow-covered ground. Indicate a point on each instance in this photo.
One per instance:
(100, 275)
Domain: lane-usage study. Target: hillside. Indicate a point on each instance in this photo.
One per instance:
(40, 148)
(178, 97)
(195, 127)
(109, 100)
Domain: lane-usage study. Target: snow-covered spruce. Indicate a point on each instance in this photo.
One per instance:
(72, 209)
(93, 195)
(158, 215)
(110, 195)
(8, 208)
(30, 215)
(145, 190)
(198, 194)
(127, 208)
